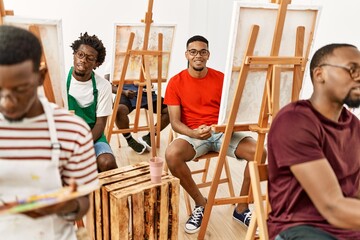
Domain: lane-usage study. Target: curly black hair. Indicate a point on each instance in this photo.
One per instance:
(322, 53)
(18, 45)
(92, 41)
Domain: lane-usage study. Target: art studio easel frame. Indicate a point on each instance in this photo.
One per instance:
(272, 65)
(4, 12)
(34, 28)
(145, 79)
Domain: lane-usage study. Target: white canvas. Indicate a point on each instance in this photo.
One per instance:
(263, 14)
(121, 39)
(52, 42)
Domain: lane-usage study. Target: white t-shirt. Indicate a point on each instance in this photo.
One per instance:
(83, 93)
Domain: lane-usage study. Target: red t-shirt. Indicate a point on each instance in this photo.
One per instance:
(199, 98)
(301, 134)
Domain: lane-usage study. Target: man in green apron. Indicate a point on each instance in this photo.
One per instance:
(89, 95)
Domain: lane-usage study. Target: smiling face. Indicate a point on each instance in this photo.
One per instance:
(197, 63)
(85, 60)
(338, 83)
(18, 91)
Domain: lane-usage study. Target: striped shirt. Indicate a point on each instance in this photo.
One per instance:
(29, 140)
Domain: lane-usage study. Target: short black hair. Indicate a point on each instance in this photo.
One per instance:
(322, 53)
(18, 45)
(197, 38)
(92, 41)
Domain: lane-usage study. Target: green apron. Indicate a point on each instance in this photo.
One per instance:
(87, 113)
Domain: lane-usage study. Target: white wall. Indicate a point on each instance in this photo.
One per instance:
(98, 17)
(338, 23)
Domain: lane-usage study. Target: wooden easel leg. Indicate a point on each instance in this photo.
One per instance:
(2, 11)
(146, 72)
(251, 231)
(120, 87)
(48, 89)
(298, 73)
(228, 132)
(229, 179)
(158, 100)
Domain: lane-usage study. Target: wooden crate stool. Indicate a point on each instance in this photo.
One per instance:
(129, 206)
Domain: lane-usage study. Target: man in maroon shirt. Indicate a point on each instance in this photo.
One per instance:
(314, 154)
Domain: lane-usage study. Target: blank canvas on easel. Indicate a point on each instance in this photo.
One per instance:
(122, 34)
(52, 42)
(265, 15)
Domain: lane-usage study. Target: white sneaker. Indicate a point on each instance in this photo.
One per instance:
(145, 140)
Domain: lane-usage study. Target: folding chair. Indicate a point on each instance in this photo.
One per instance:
(204, 181)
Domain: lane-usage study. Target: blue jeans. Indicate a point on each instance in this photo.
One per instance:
(101, 148)
(304, 232)
(213, 143)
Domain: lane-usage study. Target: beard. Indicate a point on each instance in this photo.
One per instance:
(79, 74)
(351, 103)
(14, 120)
(198, 69)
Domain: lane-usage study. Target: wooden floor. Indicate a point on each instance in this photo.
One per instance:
(221, 224)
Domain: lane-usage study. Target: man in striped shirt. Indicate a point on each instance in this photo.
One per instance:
(42, 147)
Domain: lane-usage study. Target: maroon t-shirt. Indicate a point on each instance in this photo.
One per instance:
(301, 134)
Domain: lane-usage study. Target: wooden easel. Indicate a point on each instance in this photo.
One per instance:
(48, 90)
(269, 105)
(4, 12)
(144, 80)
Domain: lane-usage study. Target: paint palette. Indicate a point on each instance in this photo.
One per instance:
(47, 199)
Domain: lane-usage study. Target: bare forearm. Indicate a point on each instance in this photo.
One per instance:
(322, 186)
(99, 127)
(97, 131)
(343, 213)
(71, 210)
(181, 128)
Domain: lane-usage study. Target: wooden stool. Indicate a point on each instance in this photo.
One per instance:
(129, 206)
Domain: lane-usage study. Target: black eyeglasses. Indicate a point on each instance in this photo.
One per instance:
(194, 52)
(80, 54)
(354, 71)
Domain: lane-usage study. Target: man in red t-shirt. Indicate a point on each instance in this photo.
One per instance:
(193, 97)
(314, 154)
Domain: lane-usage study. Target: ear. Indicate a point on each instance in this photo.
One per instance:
(318, 75)
(97, 64)
(42, 73)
